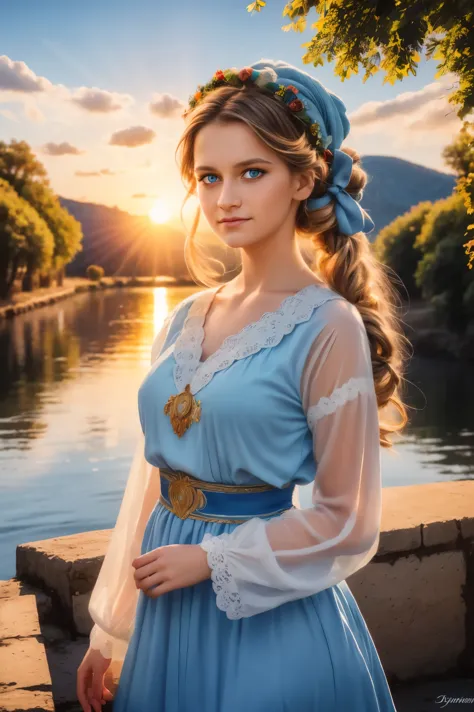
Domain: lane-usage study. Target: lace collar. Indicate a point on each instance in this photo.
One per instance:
(265, 332)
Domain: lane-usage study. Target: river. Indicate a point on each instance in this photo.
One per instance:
(68, 385)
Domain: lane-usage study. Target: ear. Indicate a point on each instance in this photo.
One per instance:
(304, 185)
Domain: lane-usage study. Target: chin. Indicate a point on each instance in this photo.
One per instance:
(237, 238)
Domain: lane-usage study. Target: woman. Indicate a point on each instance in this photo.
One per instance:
(218, 593)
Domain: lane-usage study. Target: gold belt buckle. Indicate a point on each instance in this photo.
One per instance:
(185, 498)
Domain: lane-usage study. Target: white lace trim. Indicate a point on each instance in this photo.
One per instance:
(99, 641)
(223, 584)
(266, 332)
(340, 395)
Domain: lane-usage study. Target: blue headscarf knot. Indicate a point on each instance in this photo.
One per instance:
(350, 216)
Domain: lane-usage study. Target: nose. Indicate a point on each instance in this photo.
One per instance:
(228, 198)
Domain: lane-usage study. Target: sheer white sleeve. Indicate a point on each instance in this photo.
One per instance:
(262, 563)
(114, 597)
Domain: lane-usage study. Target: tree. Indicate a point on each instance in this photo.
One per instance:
(395, 246)
(25, 239)
(27, 176)
(66, 229)
(459, 155)
(19, 165)
(441, 272)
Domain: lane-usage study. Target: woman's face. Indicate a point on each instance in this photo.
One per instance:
(238, 176)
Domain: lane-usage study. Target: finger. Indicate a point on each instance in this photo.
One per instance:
(97, 686)
(96, 706)
(147, 570)
(107, 695)
(81, 690)
(159, 590)
(151, 581)
(144, 559)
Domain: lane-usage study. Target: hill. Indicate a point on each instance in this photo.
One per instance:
(395, 185)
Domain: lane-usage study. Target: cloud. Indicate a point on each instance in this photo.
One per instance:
(99, 100)
(18, 77)
(166, 106)
(436, 119)
(8, 114)
(143, 195)
(33, 113)
(90, 174)
(132, 137)
(427, 109)
(61, 149)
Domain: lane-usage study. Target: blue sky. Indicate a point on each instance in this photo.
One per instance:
(129, 55)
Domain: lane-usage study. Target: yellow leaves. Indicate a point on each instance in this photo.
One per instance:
(438, 53)
(291, 7)
(298, 26)
(372, 69)
(256, 6)
(319, 24)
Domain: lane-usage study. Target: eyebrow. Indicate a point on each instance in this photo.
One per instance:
(240, 164)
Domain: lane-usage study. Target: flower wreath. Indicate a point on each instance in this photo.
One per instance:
(266, 80)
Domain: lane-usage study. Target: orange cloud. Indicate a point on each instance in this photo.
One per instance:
(132, 137)
(100, 101)
(166, 106)
(90, 174)
(61, 149)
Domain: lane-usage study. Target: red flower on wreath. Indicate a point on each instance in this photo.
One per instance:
(219, 75)
(293, 89)
(245, 74)
(296, 105)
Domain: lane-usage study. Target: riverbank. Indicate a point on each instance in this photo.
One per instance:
(434, 341)
(418, 318)
(21, 302)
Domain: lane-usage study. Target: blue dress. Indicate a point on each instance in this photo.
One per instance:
(188, 654)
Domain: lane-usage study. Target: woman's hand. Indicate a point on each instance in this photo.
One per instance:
(91, 691)
(170, 567)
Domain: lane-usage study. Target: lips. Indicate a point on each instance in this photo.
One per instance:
(231, 220)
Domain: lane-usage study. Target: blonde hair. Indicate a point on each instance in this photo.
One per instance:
(345, 262)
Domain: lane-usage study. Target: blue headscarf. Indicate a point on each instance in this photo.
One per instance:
(329, 112)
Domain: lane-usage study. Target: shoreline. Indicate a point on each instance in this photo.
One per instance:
(417, 318)
(26, 301)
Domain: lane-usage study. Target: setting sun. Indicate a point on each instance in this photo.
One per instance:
(160, 212)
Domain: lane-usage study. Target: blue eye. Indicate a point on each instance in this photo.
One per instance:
(207, 175)
(255, 170)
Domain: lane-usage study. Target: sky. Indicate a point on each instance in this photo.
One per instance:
(97, 89)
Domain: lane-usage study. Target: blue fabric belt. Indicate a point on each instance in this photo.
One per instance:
(188, 497)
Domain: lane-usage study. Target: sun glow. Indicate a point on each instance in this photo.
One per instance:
(160, 212)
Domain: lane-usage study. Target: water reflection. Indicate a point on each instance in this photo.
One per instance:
(69, 376)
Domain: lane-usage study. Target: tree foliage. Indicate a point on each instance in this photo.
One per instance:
(395, 246)
(25, 238)
(36, 232)
(389, 35)
(459, 155)
(441, 272)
